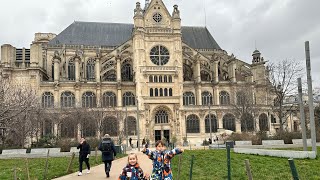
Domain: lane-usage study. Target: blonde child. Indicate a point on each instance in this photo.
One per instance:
(161, 161)
(132, 171)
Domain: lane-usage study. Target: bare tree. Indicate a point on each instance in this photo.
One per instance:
(283, 78)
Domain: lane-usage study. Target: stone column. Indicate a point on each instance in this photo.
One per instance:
(77, 67)
(215, 70)
(233, 71)
(97, 70)
(257, 128)
(119, 97)
(198, 95)
(198, 70)
(238, 125)
(202, 124)
(118, 69)
(56, 98)
(220, 120)
(57, 61)
(216, 95)
(77, 98)
(99, 97)
(55, 130)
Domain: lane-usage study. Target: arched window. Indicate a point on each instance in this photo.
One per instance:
(160, 78)
(161, 92)
(90, 70)
(224, 98)
(247, 123)
(47, 100)
(155, 78)
(110, 126)
(88, 127)
(67, 99)
(205, 76)
(156, 92)
(170, 79)
(170, 91)
(193, 124)
(71, 70)
(273, 119)
(89, 100)
(109, 99)
(263, 122)
(128, 99)
(151, 92)
(165, 78)
(68, 129)
(188, 99)
(214, 124)
(130, 126)
(150, 78)
(110, 76)
(206, 98)
(165, 92)
(161, 117)
(126, 72)
(229, 122)
(47, 127)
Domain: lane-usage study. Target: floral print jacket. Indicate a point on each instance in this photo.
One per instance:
(162, 163)
(131, 172)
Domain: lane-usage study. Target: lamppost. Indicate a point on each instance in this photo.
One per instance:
(210, 122)
(138, 127)
(126, 124)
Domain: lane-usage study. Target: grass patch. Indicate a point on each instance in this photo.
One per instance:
(212, 165)
(57, 167)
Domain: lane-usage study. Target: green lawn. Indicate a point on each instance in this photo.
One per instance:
(212, 164)
(57, 167)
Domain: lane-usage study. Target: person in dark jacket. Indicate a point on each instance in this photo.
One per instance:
(83, 155)
(108, 150)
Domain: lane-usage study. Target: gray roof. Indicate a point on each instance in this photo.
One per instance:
(115, 34)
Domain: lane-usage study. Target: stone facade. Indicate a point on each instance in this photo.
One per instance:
(174, 84)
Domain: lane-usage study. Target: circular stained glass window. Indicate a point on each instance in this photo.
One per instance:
(157, 17)
(159, 55)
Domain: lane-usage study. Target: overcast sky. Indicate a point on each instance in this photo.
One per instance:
(279, 28)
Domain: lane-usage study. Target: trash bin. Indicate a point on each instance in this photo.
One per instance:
(118, 149)
(230, 143)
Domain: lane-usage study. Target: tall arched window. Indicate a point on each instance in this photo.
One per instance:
(205, 76)
(165, 78)
(88, 127)
(263, 122)
(130, 125)
(151, 92)
(247, 123)
(126, 72)
(110, 126)
(160, 78)
(156, 93)
(188, 98)
(110, 76)
(68, 129)
(90, 70)
(229, 122)
(214, 124)
(150, 78)
(47, 100)
(165, 92)
(161, 117)
(193, 124)
(170, 78)
(161, 92)
(224, 98)
(47, 127)
(155, 78)
(71, 70)
(206, 98)
(67, 99)
(170, 91)
(128, 99)
(89, 100)
(52, 70)
(109, 99)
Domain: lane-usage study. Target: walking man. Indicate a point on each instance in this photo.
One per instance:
(108, 150)
(83, 155)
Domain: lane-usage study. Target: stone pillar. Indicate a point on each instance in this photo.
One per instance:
(99, 104)
(202, 124)
(119, 97)
(238, 125)
(220, 120)
(97, 70)
(118, 69)
(215, 70)
(57, 69)
(216, 95)
(233, 71)
(56, 98)
(55, 130)
(198, 95)
(198, 70)
(78, 98)
(77, 67)
(257, 128)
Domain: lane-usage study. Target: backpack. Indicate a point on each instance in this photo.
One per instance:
(107, 146)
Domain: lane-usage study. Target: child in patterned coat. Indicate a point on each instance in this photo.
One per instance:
(161, 161)
(132, 171)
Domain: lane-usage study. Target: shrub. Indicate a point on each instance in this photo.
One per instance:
(205, 143)
(93, 142)
(287, 136)
(66, 143)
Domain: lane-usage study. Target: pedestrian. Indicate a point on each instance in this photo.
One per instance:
(130, 142)
(210, 141)
(161, 161)
(143, 141)
(137, 143)
(132, 170)
(84, 154)
(108, 150)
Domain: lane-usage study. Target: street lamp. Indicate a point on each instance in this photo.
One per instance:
(138, 127)
(210, 122)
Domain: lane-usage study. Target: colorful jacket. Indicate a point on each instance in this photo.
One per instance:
(162, 163)
(131, 172)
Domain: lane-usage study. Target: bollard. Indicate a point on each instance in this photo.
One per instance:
(248, 169)
(179, 166)
(191, 167)
(27, 169)
(70, 163)
(228, 162)
(293, 169)
(46, 167)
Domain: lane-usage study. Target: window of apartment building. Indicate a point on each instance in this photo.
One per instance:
(188, 98)
(47, 100)
(193, 124)
(128, 99)
(214, 124)
(90, 70)
(109, 99)
(229, 122)
(206, 98)
(89, 100)
(67, 99)
(224, 98)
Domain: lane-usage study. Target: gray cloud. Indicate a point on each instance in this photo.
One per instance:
(279, 28)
